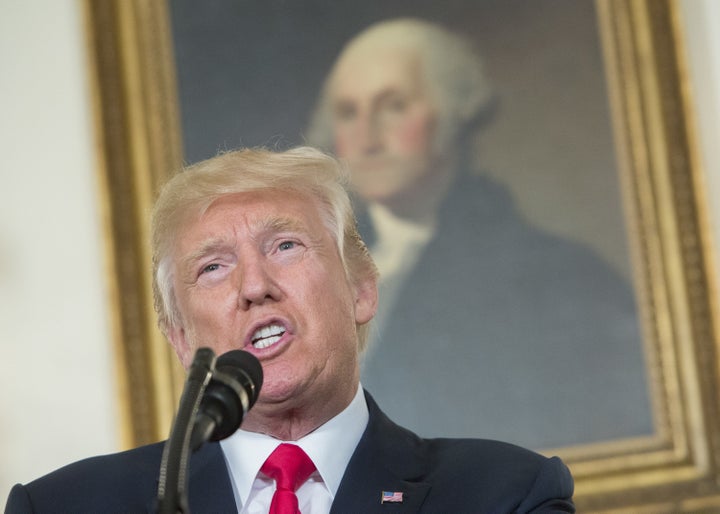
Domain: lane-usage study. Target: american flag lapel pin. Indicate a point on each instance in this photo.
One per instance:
(391, 497)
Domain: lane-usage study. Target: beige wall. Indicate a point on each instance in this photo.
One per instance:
(701, 19)
(56, 383)
(55, 371)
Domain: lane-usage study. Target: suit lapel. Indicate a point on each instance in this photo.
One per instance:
(209, 487)
(388, 458)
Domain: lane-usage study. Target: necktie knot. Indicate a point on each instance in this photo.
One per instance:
(290, 466)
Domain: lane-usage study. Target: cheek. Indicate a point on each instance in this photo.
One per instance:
(345, 143)
(330, 298)
(208, 309)
(414, 135)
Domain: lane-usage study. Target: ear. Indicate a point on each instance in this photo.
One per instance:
(366, 299)
(180, 344)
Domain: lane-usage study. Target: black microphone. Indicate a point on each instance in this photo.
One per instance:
(233, 389)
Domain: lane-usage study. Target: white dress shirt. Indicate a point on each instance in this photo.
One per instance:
(330, 447)
(398, 245)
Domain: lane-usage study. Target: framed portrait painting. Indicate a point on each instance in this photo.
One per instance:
(523, 174)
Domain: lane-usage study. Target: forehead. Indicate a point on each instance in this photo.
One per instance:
(368, 69)
(254, 211)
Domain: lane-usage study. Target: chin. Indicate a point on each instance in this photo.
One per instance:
(274, 391)
(376, 188)
(383, 197)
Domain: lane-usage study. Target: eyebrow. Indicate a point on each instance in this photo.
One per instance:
(281, 224)
(217, 244)
(206, 248)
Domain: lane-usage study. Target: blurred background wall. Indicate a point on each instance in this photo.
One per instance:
(57, 388)
(56, 378)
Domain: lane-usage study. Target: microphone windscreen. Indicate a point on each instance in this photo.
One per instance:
(245, 368)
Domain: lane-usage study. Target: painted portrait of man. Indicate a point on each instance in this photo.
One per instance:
(490, 323)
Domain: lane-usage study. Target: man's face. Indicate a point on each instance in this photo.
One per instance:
(260, 272)
(384, 121)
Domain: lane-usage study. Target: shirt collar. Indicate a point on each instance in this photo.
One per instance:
(388, 225)
(330, 447)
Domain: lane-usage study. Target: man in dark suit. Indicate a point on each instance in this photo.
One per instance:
(259, 251)
(532, 327)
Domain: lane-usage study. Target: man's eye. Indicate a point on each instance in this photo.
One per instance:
(345, 112)
(286, 245)
(396, 105)
(210, 267)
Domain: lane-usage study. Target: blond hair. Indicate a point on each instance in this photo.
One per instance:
(304, 170)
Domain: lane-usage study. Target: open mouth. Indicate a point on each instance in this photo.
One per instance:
(267, 335)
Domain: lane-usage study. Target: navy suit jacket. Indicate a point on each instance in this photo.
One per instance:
(435, 476)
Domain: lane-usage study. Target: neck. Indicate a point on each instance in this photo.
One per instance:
(291, 420)
(422, 201)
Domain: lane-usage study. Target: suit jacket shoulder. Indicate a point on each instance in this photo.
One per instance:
(124, 482)
(448, 475)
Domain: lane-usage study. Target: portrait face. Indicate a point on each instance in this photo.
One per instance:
(384, 121)
(259, 271)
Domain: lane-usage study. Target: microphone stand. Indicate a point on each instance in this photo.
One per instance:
(172, 490)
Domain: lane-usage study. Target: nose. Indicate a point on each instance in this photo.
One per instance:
(368, 134)
(256, 284)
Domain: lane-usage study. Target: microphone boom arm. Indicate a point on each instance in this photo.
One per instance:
(172, 489)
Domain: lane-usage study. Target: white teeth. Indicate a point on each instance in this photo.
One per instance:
(267, 335)
(264, 343)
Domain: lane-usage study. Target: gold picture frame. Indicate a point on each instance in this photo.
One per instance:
(677, 469)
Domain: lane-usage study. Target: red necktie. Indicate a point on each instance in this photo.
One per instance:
(290, 466)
